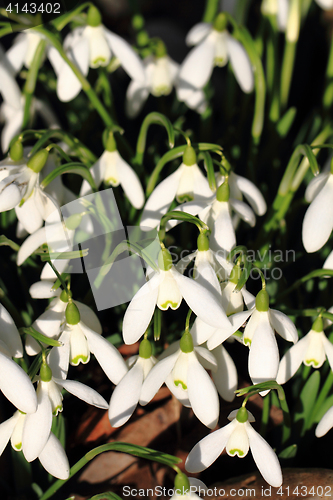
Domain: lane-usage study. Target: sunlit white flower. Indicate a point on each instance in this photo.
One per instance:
(325, 424)
(166, 288)
(53, 457)
(187, 488)
(111, 169)
(237, 438)
(126, 395)
(92, 46)
(318, 219)
(185, 184)
(182, 370)
(278, 8)
(312, 350)
(215, 47)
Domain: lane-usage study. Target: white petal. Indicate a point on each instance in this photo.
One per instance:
(88, 317)
(325, 4)
(315, 186)
(99, 50)
(53, 458)
(249, 299)
(198, 33)
(243, 211)
(223, 231)
(202, 393)
(83, 392)
(208, 449)
(283, 325)
(201, 301)
(68, 85)
(136, 95)
(6, 430)
(206, 276)
(236, 320)
(265, 458)
(206, 358)
(159, 201)
(201, 332)
(198, 65)
(328, 346)
(31, 244)
(9, 197)
(131, 184)
(8, 87)
(328, 264)
(233, 414)
(140, 311)
(16, 385)
(9, 334)
(318, 219)
(157, 376)
(58, 359)
(282, 14)
(11, 128)
(241, 64)
(29, 215)
(325, 424)
(108, 357)
(129, 60)
(292, 360)
(251, 193)
(126, 396)
(189, 207)
(225, 378)
(264, 353)
(43, 290)
(37, 425)
(16, 54)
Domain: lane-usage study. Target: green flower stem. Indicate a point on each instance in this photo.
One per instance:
(60, 278)
(272, 75)
(108, 121)
(265, 414)
(60, 22)
(328, 92)
(211, 9)
(287, 71)
(135, 450)
(30, 84)
(321, 398)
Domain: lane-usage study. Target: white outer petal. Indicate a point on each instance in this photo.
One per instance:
(198, 65)
(202, 393)
(140, 310)
(283, 325)
(131, 184)
(208, 449)
(225, 378)
(315, 186)
(318, 219)
(201, 301)
(30, 245)
(108, 357)
(292, 360)
(241, 64)
(265, 458)
(128, 58)
(220, 335)
(6, 430)
(37, 426)
(43, 290)
(157, 376)
(126, 396)
(223, 230)
(325, 4)
(328, 264)
(197, 33)
(136, 95)
(16, 385)
(264, 352)
(325, 424)
(53, 458)
(243, 211)
(9, 333)
(83, 392)
(251, 193)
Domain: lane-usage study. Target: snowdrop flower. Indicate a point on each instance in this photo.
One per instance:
(51, 321)
(78, 342)
(160, 76)
(126, 395)
(37, 426)
(185, 184)
(181, 369)
(325, 424)
(215, 47)
(111, 169)
(166, 288)
(237, 438)
(185, 487)
(14, 382)
(318, 219)
(259, 336)
(225, 376)
(92, 46)
(325, 4)
(278, 8)
(311, 349)
(53, 457)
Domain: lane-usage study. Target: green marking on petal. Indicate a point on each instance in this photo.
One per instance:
(99, 61)
(169, 303)
(234, 452)
(313, 362)
(57, 409)
(247, 342)
(219, 61)
(184, 197)
(79, 359)
(112, 181)
(162, 90)
(180, 383)
(18, 446)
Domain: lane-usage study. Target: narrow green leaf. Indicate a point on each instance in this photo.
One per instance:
(157, 324)
(152, 118)
(289, 452)
(284, 124)
(306, 401)
(40, 337)
(4, 241)
(73, 168)
(209, 166)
